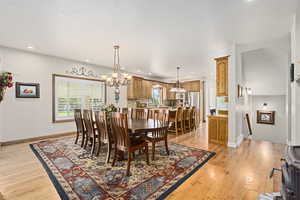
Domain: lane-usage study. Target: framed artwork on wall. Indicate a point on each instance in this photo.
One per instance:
(27, 90)
(265, 117)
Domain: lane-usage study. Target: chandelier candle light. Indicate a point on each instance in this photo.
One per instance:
(177, 88)
(117, 78)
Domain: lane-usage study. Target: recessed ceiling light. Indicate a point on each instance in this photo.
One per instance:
(139, 71)
(150, 73)
(87, 60)
(30, 47)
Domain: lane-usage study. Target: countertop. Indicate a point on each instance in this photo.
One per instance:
(217, 116)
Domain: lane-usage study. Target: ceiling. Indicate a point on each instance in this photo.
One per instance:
(155, 36)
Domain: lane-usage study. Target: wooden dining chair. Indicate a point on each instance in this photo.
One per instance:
(160, 134)
(177, 122)
(79, 126)
(104, 135)
(186, 120)
(140, 113)
(90, 130)
(128, 111)
(193, 120)
(124, 142)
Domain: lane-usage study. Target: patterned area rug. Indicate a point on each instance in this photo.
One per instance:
(76, 175)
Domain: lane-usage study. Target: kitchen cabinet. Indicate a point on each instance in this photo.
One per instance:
(134, 89)
(170, 95)
(218, 129)
(222, 76)
(191, 86)
(139, 89)
(146, 89)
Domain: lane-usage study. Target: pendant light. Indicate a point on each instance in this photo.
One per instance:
(177, 88)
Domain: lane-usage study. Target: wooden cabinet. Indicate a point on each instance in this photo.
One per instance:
(222, 76)
(139, 88)
(146, 89)
(191, 86)
(170, 95)
(218, 129)
(134, 89)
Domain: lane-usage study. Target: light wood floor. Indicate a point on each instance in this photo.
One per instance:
(234, 174)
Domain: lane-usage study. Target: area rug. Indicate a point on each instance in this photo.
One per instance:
(76, 175)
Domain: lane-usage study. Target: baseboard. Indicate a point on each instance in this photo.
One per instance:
(36, 138)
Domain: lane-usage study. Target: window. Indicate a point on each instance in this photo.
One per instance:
(157, 95)
(71, 93)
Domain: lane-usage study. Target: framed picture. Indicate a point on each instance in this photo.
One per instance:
(265, 117)
(27, 90)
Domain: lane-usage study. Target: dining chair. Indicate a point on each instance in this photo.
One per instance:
(79, 126)
(124, 142)
(90, 130)
(186, 120)
(105, 135)
(128, 111)
(160, 134)
(177, 121)
(141, 113)
(193, 118)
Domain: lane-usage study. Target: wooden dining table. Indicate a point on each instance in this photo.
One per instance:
(138, 126)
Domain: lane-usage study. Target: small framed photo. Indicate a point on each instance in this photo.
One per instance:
(27, 90)
(265, 117)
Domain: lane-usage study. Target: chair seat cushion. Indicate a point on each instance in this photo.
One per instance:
(137, 140)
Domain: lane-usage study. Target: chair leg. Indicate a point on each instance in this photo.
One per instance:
(99, 148)
(77, 136)
(115, 156)
(128, 164)
(147, 154)
(153, 150)
(108, 152)
(83, 140)
(166, 144)
(86, 141)
(93, 146)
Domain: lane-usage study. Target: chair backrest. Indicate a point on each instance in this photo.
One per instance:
(186, 113)
(128, 111)
(179, 113)
(160, 132)
(141, 113)
(193, 113)
(88, 122)
(120, 129)
(78, 120)
(102, 127)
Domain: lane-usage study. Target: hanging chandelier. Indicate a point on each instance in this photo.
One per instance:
(177, 88)
(117, 78)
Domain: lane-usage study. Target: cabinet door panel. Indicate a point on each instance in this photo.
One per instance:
(213, 130)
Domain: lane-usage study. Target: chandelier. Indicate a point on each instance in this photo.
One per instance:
(177, 88)
(117, 78)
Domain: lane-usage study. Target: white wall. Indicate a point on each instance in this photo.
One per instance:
(266, 71)
(1, 106)
(26, 118)
(273, 133)
(295, 87)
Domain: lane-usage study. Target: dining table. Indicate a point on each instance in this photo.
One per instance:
(139, 126)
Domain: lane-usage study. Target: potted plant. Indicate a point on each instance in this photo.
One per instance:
(6, 81)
